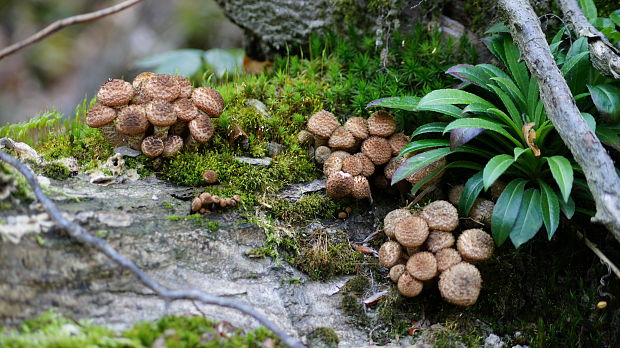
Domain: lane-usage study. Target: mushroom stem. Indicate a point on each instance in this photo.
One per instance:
(178, 128)
(161, 132)
(135, 141)
(111, 135)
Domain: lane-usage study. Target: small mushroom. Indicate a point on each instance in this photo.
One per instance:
(482, 211)
(368, 168)
(152, 146)
(339, 185)
(162, 115)
(102, 117)
(185, 86)
(460, 284)
(381, 123)
(341, 139)
(397, 141)
(475, 245)
(389, 222)
(162, 86)
(323, 123)
(438, 240)
(201, 129)
(411, 231)
(196, 204)
(172, 146)
(140, 78)
(208, 100)
(332, 165)
(391, 167)
(210, 176)
(396, 271)
(441, 215)
(358, 127)
(361, 187)
(389, 254)
(305, 138)
(321, 154)
(115, 92)
(352, 165)
(422, 265)
(343, 215)
(185, 110)
(447, 258)
(409, 286)
(377, 149)
(132, 122)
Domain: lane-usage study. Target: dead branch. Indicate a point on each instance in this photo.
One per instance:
(604, 56)
(81, 235)
(62, 23)
(600, 254)
(560, 105)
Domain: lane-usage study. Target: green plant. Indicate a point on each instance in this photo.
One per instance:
(34, 129)
(607, 26)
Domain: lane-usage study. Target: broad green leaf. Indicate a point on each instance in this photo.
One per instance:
(517, 68)
(557, 38)
(589, 9)
(455, 164)
(418, 161)
(509, 86)
(498, 28)
(574, 61)
(609, 136)
(518, 151)
(480, 123)
(550, 208)
(580, 45)
(496, 46)
(461, 136)
(606, 98)
(506, 210)
(590, 121)
(476, 109)
(471, 191)
(423, 145)
(408, 103)
(433, 127)
(184, 62)
(224, 61)
(568, 208)
(562, 173)
(615, 17)
(493, 71)
(471, 74)
(451, 97)
(495, 168)
(446, 109)
(529, 220)
(515, 120)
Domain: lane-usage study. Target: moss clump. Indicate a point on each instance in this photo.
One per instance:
(323, 337)
(16, 184)
(354, 309)
(197, 220)
(310, 206)
(356, 285)
(57, 171)
(451, 335)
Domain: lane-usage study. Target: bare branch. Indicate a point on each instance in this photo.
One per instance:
(62, 23)
(600, 254)
(78, 233)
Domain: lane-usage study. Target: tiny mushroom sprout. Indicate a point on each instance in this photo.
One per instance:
(460, 284)
(323, 123)
(377, 149)
(381, 123)
(339, 185)
(210, 176)
(441, 215)
(447, 258)
(422, 265)
(409, 286)
(411, 231)
(152, 146)
(358, 127)
(475, 245)
(321, 154)
(396, 271)
(390, 220)
(115, 92)
(208, 100)
(389, 254)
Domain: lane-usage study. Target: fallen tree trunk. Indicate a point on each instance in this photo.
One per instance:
(560, 105)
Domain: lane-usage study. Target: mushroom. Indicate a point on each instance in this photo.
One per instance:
(447, 258)
(358, 127)
(115, 92)
(339, 185)
(409, 286)
(352, 165)
(132, 122)
(196, 204)
(426, 171)
(208, 100)
(305, 138)
(391, 167)
(454, 195)
(200, 129)
(411, 231)
(102, 117)
(438, 240)
(377, 149)
(320, 141)
(341, 138)
(368, 168)
(152, 146)
(397, 141)
(441, 215)
(389, 254)
(140, 78)
(381, 123)
(162, 115)
(475, 245)
(172, 145)
(460, 284)
(321, 154)
(323, 123)
(396, 271)
(161, 86)
(185, 86)
(332, 165)
(361, 187)
(482, 211)
(389, 222)
(422, 265)
(185, 111)
(210, 176)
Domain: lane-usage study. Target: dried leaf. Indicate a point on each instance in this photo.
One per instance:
(364, 249)
(375, 298)
(530, 135)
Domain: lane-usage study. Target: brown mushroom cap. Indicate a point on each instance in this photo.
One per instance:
(172, 145)
(411, 231)
(321, 154)
(409, 286)
(140, 78)
(438, 240)
(392, 165)
(475, 245)
(427, 170)
(210, 176)
(160, 113)
(368, 168)
(152, 146)
(201, 128)
(341, 154)
(358, 127)
(397, 141)
(162, 86)
(389, 222)
(339, 185)
(482, 211)
(323, 123)
(115, 92)
(441, 215)
(352, 165)
(185, 109)
(196, 203)
(460, 284)
(381, 123)
(332, 165)
(361, 187)
(422, 265)
(377, 149)
(132, 120)
(454, 196)
(208, 100)
(396, 271)
(389, 254)
(99, 115)
(447, 258)
(185, 86)
(341, 138)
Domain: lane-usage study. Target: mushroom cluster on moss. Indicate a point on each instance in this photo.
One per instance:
(206, 203)
(358, 152)
(156, 113)
(423, 246)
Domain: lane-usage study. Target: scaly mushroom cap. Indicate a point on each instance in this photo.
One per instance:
(389, 254)
(368, 168)
(392, 165)
(162, 86)
(152, 147)
(397, 141)
(196, 204)
(323, 123)
(321, 154)
(138, 80)
(352, 165)
(132, 120)
(172, 145)
(411, 231)
(422, 265)
(377, 149)
(341, 154)
(185, 86)
(208, 100)
(475, 245)
(160, 113)
(341, 139)
(441, 215)
(438, 240)
(361, 187)
(115, 92)
(305, 138)
(201, 128)
(460, 284)
(185, 109)
(409, 286)
(427, 170)
(447, 258)
(396, 271)
(358, 127)
(482, 211)
(390, 220)
(339, 185)
(381, 123)
(454, 196)
(332, 165)
(210, 176)
(99, 115)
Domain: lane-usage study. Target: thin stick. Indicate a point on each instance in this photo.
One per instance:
(62, 23)
(78, 233)
(599, 253)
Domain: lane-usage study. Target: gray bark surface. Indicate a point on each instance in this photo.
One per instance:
(560, 105)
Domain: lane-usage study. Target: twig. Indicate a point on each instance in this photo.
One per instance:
(599, 253)
(80, 234)
(62, 23)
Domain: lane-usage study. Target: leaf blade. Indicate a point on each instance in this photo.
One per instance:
(506, 210)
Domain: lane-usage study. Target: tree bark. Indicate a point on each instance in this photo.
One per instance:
(560, 105)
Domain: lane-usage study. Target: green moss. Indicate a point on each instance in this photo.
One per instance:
(356, 285)
(352, 306)
(56, 171)
(309, 206)
(453, 336)
(197, 220)
(323, 337)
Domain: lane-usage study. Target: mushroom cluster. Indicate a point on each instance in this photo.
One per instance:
(422, 247)
(205, 202)
(482, 210)
(156, 113)
(359, 152)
